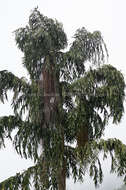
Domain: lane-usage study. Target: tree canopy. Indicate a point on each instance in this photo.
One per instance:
(61, 111)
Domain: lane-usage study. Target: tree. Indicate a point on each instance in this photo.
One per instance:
(123, 187)
(69, 98)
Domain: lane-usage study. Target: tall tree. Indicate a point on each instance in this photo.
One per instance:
(61, 112)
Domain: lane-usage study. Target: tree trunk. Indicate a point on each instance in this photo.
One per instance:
(50, 85)
(50, 91)
(62, 177)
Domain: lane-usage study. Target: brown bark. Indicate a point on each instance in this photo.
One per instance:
(50, 85)
(44, 175)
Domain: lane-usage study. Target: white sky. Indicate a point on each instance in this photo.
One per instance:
(108, 16)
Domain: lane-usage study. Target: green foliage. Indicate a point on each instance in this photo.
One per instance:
(88, 97)
(39, 38)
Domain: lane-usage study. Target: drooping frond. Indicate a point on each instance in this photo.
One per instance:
(7, 125)
(89, 46)
(99, 95)
(26, 96)
(23, 180)
(28, 139)
(30, 103)
(86, 47)
(42, 176)
(17, 182)
(112, 148)
(103, 88)
(9, 81)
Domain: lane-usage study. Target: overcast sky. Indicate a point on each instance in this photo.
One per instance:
(108, 16)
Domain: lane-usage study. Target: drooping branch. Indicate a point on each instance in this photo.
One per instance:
(9, 81)
(23, 180)
(7, 125)
(86, 47)
(113, 148)
(104, 88)
(99, 95)
(26, 137)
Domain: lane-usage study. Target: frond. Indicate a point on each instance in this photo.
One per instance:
(30, 103)
(26, 96)
(102, 88)
(89, 155)
(89, 46)
(22, 180)
(98, 96)
(86, 47)
(27, 140)
(9, 81)
(7, 125)
(40, 177)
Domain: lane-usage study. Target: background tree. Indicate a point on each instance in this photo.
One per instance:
(69, 98)
(123, 187)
